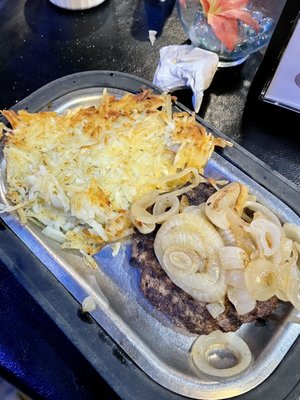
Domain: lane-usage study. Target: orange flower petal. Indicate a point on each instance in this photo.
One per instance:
(242, 16)
(225, 29)
(227, 4)
(205, 5)
(219, 3)
(217, 6)
(223, 16)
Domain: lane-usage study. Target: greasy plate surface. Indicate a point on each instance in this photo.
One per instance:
(146, 335)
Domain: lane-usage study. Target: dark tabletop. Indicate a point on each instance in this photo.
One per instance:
(39, 43)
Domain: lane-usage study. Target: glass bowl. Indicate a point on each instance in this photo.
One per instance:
(194, 20)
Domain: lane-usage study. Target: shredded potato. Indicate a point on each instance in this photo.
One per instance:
(78, 173)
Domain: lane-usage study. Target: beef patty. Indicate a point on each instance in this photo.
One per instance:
(184, 310)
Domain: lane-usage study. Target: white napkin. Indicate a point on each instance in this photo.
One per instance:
(186, 66)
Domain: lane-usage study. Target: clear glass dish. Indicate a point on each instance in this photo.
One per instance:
(197, 24)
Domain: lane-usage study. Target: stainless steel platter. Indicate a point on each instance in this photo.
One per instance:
(146, 335)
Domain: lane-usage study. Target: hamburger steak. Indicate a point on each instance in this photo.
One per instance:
(184, 310)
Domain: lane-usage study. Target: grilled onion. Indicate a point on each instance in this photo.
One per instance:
(254, 206)
(139, 208)
(238, 227)
(292, 232)
(232, 257)
(266, 234)
(196, 179)
(258, 261)
(221, 354)
(164, 205)
(187, 248)
(289, 279)
(227, 237)
(235, 278)
(219, 202)
(261, 279)
(215, 309)
(242, 300)
(293, 292)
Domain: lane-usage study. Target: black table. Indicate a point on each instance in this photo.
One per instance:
(39, 43)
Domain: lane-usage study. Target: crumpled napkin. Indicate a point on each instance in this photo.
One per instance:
(186, 66)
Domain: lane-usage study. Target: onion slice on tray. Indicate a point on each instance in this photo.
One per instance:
(221, 354)
(164, 205)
